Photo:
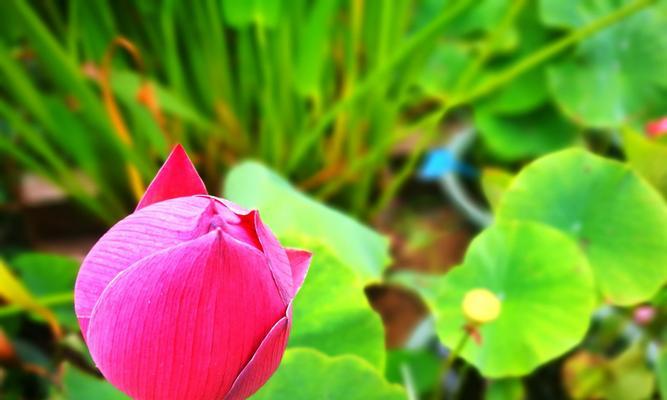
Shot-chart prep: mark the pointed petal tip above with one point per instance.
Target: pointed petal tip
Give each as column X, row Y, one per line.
column 300, row 263
column 263, row 363
column 176, row 178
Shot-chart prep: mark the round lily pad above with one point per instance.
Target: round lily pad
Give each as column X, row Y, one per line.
column 331, row 312
column 617, row 218
column 615, row 75
column 309, row 374
column 518, row 137
column 546, row 292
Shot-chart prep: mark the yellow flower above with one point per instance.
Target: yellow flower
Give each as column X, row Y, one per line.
column 481, row 306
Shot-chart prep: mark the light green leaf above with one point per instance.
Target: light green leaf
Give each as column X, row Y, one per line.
column 307, row 374
column 615, row 75
column 81, row 386
column 513, row 138
column 47, row 275
column 480, row 17
column 494, row 183
column 617, row 218
column 529, row 90
column 290, row 213
column 240, row 14
column 648, row 157
column 422, row 366
column 632, row 378
column 661, row 372
column 14, row 292
column 546, row 292
column 520, row 95
column 625, row 377
column 505, row 389
column 331, row 312
column 313, row 49
column 444, row 67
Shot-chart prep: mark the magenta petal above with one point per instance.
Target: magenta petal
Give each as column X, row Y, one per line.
column 264, row 362
column 277, row 259
column 177, row 178
column 151, row 229
column 300, row 262
column 182, row 323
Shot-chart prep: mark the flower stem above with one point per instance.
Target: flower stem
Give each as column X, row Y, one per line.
column 446, row 366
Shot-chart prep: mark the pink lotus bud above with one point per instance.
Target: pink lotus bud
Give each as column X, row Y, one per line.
column 644, row 315
column 190, row 296
column 657, row 128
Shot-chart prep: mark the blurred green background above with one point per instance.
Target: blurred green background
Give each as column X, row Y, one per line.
column 372, row 107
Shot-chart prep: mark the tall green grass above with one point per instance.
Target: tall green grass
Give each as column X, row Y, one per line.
column 320, row 90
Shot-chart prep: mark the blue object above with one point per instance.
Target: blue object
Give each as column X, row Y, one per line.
column 442, row 161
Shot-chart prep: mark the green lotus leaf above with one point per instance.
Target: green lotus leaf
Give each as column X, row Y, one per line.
column 617, row 74
column 48, row 275
column 648, row 158
column 518, row 137
column 332, row 313
column 505, row 389
column 494, row 183
column 291, row 213
column 529, row 90
column 546, row 292
column 308, row 374
column 618, row 219
column 78, row 385
column 444, row 67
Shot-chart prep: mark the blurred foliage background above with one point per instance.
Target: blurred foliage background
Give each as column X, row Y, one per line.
column 343, row 98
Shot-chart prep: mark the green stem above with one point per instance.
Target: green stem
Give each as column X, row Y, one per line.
column 448, row 363
column 46, row 301
column 271, row 133
column 431, row 124
column 375, row 77
column 503, row 78
column 490, row 45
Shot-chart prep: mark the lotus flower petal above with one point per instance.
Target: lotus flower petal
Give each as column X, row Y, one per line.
column 657, row 128
column 264, row 362
column 177, row 178
column 183, row 322
column 277, row 259
column 299, row 262
column 190, row 296
column 151, row 229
